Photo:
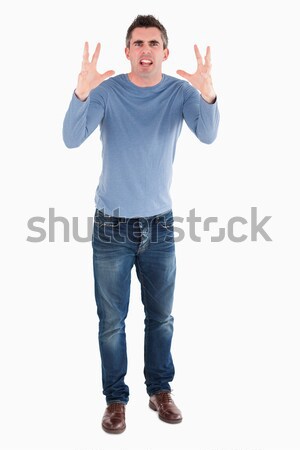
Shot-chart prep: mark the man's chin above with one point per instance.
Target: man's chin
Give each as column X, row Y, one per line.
column 146, row 72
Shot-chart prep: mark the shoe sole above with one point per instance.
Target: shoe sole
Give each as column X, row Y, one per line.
column 153, row 407
column 113, row 431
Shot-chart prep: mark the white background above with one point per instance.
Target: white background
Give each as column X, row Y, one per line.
column 236, row 342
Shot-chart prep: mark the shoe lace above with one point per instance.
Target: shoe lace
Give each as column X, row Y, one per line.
column 166, row 397
column 116, row 407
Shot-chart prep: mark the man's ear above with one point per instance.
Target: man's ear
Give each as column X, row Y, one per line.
column 127, row 51
column 166, row 54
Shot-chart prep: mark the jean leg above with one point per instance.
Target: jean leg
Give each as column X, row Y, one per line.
column 156, row 270
column 112, row 263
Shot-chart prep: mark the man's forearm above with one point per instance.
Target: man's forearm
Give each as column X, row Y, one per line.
column 74, row 126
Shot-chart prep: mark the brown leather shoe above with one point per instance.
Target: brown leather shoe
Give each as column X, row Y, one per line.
column 167, row 410
column 114, row 418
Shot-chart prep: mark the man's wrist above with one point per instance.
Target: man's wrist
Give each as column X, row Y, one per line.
column 209, row 98
column 81, row 97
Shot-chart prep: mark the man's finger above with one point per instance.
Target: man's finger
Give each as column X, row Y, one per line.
column 86, row 52
column 198, row 55
column 96, row 53
column 84, row 66
column 108, row 73
column 184, row 74
column 208, row 55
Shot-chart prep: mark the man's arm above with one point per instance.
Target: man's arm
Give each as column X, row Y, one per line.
column 200, row 116
column 86, row 109
column 201, row 111
column 81, row 119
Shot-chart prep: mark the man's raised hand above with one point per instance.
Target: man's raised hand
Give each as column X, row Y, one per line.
column 201, row 79
column 89, row 78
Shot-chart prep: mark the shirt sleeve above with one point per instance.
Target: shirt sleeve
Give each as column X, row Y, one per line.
column 201, row 117
column 82, row 118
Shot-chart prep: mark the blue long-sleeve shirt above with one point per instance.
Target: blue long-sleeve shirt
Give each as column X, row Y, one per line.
column 139, row 128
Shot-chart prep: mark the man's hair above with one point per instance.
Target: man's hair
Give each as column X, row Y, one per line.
column 147, row 22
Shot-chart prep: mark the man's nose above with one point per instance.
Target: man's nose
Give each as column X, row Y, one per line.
column 146, row 48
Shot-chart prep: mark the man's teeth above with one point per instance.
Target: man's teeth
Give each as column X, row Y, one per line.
column 146, row 61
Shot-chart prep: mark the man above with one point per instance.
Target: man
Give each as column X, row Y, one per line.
column 140, row 115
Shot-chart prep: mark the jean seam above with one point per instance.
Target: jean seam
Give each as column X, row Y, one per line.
column 143, row 290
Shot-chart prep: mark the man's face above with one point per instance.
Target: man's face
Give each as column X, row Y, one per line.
column 146, row 52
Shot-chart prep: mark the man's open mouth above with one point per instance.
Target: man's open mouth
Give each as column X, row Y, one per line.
column 146, row 62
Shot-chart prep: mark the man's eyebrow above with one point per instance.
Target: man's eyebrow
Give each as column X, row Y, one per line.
column 140, row 41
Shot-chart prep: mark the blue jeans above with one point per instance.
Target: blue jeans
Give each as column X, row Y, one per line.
column 118, row 245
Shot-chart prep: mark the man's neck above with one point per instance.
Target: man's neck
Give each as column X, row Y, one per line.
column 144, row 82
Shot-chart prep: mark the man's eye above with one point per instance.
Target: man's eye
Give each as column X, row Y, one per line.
column 154, row 44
